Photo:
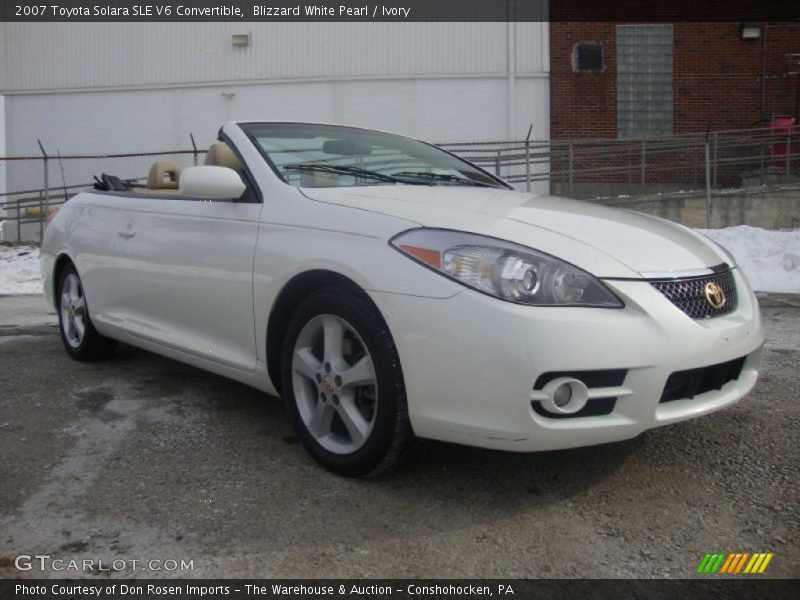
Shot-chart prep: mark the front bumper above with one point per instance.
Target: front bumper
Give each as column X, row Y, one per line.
column 470, row 363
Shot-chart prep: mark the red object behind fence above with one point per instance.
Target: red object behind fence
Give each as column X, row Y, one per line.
column 783, row 126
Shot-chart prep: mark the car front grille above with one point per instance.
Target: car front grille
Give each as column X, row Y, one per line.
column 689, row 294
column 684, row 385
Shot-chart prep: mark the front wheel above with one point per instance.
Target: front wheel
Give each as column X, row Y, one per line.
column 343, row 384
column 80, row 338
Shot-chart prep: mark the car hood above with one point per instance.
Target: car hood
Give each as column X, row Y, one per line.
column 607, row 242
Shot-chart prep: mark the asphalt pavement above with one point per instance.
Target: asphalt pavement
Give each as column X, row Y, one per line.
column 141, row 458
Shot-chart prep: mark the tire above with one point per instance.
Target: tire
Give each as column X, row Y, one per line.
column 73, row 315
column 351, row 419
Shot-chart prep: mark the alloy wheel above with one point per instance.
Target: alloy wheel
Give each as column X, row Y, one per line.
column 334, row 384
column 73, row 310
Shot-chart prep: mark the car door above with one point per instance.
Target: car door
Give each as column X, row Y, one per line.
column 93, row 218
column 184, row 272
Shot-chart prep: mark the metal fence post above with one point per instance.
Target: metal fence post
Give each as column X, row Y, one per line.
column 527, row 167
column 528, row 159
column 571, row 168
column 788, row 152
column 19, row 221
column 194, row 147
column 643, row 160
column 708, row 183
column 630, row 167
column 43, row 216
column 716, row 150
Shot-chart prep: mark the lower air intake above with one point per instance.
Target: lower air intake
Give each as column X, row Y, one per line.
column 684, row 385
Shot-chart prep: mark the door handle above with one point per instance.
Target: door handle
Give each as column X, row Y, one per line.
column 126, row 233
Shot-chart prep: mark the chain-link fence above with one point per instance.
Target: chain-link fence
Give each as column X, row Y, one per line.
column 31, row 187
column 610, row 171
column 715, row 179
column 589, row 169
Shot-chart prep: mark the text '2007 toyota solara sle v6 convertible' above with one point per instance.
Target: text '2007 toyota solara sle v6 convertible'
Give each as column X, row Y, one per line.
column 389, row 290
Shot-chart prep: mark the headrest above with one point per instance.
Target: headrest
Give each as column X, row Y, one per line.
column 221, row 155
column 164, row 175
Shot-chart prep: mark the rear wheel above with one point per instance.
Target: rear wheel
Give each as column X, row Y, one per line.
column 343, row 383
column 79, row 336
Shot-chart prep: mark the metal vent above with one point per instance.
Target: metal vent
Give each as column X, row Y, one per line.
column 690, row 294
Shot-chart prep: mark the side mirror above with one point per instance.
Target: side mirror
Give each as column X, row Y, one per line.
column 211, row 182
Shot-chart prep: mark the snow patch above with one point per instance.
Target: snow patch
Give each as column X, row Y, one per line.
column 770, row 259
column 19, row 270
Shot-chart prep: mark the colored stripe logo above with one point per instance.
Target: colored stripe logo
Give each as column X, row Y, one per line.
column 719, row 563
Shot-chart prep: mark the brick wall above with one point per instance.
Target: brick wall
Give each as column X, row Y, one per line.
column 716, row 78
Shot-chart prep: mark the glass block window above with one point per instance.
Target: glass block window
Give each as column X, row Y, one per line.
column 644, row 80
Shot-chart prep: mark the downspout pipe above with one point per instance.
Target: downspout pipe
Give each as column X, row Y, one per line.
column 511, row 61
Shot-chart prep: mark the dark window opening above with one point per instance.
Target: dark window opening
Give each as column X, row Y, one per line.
column 587, row 57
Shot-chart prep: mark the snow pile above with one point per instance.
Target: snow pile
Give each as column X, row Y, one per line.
column 19, row 270
column 770, row 259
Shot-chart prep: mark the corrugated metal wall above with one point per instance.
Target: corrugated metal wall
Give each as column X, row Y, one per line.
column 120, row 87
column 3, row 54
column 63, row 56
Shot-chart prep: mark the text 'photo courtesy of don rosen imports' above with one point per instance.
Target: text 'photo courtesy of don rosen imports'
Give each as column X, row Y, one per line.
column 334, row 590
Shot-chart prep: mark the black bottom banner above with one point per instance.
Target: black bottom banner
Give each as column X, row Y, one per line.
column 401, row 589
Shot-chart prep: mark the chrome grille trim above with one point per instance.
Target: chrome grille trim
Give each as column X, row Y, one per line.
column 689, row 294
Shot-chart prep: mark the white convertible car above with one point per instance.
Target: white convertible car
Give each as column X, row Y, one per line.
column 388, row 290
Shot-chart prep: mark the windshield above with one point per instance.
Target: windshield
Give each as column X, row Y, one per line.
column 309, row 155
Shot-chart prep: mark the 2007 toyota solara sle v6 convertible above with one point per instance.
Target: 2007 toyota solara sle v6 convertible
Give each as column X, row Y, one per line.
column 388, row 290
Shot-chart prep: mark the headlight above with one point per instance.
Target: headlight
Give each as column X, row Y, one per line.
column 505, row 270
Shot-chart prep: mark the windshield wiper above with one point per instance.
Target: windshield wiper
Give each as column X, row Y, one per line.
column 349, row 170
column 442, row 177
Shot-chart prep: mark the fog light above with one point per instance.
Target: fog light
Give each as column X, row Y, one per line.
column 565, row 395
column 562, row 395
